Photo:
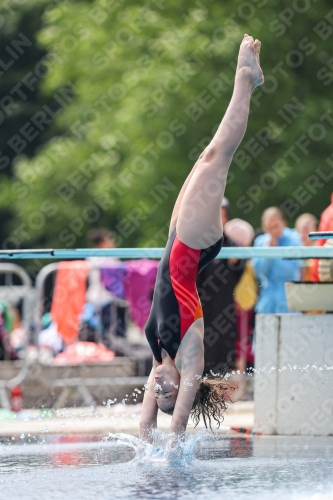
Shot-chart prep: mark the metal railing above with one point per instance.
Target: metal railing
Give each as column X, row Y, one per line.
column 69, row 385
column 13, row 294
column 156, row 253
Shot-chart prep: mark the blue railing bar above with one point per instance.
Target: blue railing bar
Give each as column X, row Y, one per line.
column 321, row 235
column 156, row 253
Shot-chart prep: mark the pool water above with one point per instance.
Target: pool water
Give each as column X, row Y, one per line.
column 119, row 467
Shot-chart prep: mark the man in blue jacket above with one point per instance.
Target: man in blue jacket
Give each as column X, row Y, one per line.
column 273, row 273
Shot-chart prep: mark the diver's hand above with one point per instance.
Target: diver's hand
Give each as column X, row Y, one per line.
column 146, row 430
column 174, row 450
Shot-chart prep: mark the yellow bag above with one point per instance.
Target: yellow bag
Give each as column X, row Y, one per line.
column 246, row 290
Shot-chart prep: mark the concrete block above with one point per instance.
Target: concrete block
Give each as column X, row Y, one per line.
column 299, row 400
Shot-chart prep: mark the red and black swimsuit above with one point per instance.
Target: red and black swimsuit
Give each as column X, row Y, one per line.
column 176, row 303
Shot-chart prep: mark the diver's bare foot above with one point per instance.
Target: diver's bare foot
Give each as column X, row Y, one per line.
column 248, row 61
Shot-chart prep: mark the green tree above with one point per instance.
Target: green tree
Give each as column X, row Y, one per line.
column 21, row 73
column 141, row 92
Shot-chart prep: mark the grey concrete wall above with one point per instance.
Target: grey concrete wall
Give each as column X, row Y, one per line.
column 293, row 386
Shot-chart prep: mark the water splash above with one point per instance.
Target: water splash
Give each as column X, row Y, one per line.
column 289, row 367
column 126, row 439
column 157, row 452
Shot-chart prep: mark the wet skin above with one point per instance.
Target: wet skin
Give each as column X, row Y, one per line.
column 166, row 384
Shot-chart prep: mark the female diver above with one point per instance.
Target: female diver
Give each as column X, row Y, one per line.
column 175, row 327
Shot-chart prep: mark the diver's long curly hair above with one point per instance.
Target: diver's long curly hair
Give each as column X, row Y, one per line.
column 210, row 401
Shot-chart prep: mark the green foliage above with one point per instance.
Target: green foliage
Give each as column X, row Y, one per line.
column 141, row 91
column 19, row 95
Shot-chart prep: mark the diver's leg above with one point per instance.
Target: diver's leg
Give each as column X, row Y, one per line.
column 176, row 207
column 199, row 219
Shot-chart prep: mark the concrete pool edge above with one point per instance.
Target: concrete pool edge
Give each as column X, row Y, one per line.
column 117, row 418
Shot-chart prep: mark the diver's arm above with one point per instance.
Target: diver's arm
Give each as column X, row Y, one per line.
column 148, row 419
column 192, row 365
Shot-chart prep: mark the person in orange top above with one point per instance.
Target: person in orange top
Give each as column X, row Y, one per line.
column 325, row 224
